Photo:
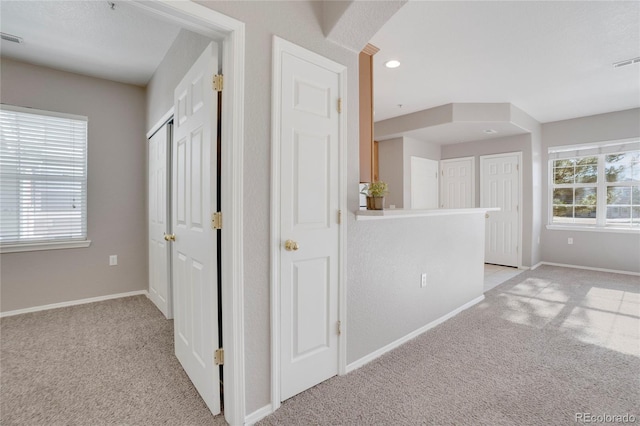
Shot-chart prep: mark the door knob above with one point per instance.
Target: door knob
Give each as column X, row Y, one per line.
column 291, row 245
column 169, row 237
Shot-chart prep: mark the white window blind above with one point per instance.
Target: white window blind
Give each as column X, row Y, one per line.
column 611, row 147
column 43, row 176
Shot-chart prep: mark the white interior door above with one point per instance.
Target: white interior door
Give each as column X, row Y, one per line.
column 194, row 249
column 309, row 207
column 458, row 183
column 500, row 187
column 424, row 183
column 159, row 253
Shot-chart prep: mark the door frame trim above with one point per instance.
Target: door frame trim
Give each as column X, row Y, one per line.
column 520, row 207
column 281, row 46
column 473, row 178
column 168, row 119
column 231, row 33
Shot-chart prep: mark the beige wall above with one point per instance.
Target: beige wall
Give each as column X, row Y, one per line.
column 186, row 48
column 390, row 166
column 386, row 301
column 116, row 191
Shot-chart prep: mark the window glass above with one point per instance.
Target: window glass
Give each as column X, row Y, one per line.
column 576, row 184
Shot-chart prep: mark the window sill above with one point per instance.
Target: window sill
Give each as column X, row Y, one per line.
column 17, row 248
column 593, row 229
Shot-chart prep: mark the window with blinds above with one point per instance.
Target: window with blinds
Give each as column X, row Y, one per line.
column 43, row 176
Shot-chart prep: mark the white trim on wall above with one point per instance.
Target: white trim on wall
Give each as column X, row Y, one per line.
column 342, row 267
column 258, row 415
column 589, row 268
column 72, row 303
column 281, row 46
column 160, row 123
column 208, row 22
column 391, row 346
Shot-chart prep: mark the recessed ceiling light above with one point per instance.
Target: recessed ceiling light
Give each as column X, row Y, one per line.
column 11, row 37
column 490, row 131
column 392, row 64
column 626, row 62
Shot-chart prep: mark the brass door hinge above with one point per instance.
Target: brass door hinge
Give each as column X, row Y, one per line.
column 218, row 356
column 218, row 82
column 216, row 220
column 339, row 328
column 339, row 105
column 339, row 217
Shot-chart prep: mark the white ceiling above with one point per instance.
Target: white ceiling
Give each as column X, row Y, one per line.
column 551, row 59
column 87, row 37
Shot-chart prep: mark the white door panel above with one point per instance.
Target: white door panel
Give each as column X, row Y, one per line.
column 500, row 187
column 424, row 183
column 159, row 254
column 458, row 183
column 309, row 179
column 194, row 249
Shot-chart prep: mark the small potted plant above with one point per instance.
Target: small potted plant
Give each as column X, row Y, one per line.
column 375, row 192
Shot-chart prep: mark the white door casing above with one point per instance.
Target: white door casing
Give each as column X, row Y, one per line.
column 194, row 250
column 231, row 33
column 424, row 183
column 458, row 183
column 159, row 204
column 500, row 186
column 307, row 180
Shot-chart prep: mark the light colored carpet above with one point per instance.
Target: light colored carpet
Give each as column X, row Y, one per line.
column 540, row 348
column 103, row 363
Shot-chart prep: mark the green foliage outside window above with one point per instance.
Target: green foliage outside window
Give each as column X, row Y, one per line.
column 576, row 187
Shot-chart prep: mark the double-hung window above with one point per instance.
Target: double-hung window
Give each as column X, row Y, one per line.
column 43, row 179
column 595, row 186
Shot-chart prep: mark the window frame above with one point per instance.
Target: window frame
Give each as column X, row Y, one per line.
column 53, row 244
column 600, row 151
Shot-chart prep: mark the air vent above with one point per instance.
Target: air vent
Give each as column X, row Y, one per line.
column 10, row 37
column 626, row 62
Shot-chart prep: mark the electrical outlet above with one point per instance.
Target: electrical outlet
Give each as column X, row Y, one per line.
column 423, row 280
column 569, row 240
column 113, row 260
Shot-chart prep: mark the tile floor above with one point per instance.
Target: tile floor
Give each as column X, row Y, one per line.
column 496, row 274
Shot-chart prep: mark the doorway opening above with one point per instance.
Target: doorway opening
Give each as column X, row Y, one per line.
column 230, row 32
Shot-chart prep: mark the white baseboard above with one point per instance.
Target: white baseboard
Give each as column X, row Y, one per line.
column 72, row 303
column 368, row 358
column 614, row 271
column 536, row 266
column 258, row 415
